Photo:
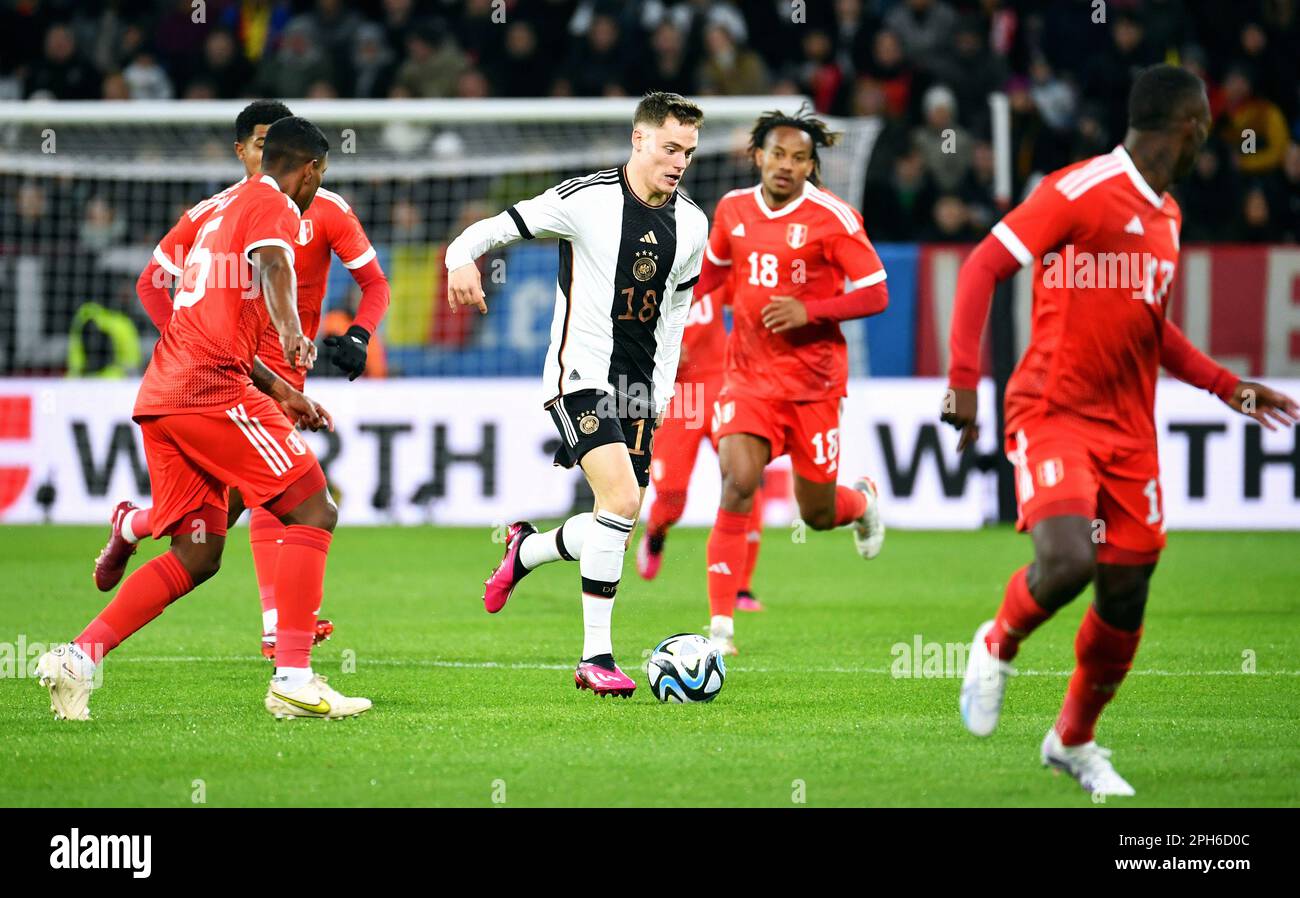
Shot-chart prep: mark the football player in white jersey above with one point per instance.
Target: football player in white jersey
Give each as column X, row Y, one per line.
column 631, row 246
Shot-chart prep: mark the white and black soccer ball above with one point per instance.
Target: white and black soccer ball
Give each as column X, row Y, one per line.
column 686, row 668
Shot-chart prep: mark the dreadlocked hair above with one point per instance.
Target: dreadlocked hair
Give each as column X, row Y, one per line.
column 803, row 120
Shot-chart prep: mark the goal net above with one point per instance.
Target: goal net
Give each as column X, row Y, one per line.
column 89, row 188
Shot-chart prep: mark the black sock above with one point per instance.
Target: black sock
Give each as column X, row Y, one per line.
column 606, row 661
column 656, row 543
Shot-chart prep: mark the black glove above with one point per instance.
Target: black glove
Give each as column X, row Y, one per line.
column 348, row 352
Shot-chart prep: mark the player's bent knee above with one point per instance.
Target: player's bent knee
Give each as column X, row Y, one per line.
column 1065, row 572
column 624, row 505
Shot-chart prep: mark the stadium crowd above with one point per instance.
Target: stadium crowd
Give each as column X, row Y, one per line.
column 923, row 66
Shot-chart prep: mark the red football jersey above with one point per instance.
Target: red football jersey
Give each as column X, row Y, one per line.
column 704, row 340
column 204, row 358
column 329, row 224
column 1104, row 248
column 806, row 249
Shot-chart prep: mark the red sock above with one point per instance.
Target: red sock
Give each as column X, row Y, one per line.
column 1019, row 616
column 665, row 511
column 299, row 584
column 142, row 597
column 753, row 539
column 1104, row 654
column 264, row 535
column 140, row 527
column 850, row 504
column 726, row 559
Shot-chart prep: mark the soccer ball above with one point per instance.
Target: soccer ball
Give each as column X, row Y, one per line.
column 686, row 668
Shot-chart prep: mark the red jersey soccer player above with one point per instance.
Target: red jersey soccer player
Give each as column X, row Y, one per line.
column 329, row 224
column 214, row 417
column 688, row 421
column 1079, row 407
column 787, row 247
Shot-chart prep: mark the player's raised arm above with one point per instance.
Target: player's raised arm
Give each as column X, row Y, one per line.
column 280, row 289
column 1036, row 226
column 542, row 216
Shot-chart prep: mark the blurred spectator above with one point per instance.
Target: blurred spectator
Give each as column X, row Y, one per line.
column 818, row 73
column 296, row 65
column 945, row 146
column 951, row 222
column 472, row 85
column 900, row 209
column 322, row 90
column 977, row 189
column 516, row 70
column 890, row 70
column 597, row 65
column 114, row 87
column 854, row 28
column 925, row 28
column 1053, row 97
column 146, row 79
column 1209, row 196
column 1110, row 74
column 478, row 32
column 1275, row 71
column 1256, row 222
column 432, row 65
column 62, row 73
column 670, row 68
column 1090, row 137
column 730, row 69
column 893, row 139
column 224, row 69
column 372, row 64
column 1252, row 125
column 973, row 72
column 334, row 26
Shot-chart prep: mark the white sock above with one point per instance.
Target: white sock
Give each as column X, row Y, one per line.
column 270, row 618
column 543, row 548
column 290, row 679
column 601, row 566
column 722, row 626
column 127, row 533
column 85, row 664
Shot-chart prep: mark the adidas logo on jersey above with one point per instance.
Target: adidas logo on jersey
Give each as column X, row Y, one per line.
column 720, row 567
column 650, row 238
column 1134, row 227
column 738, row 230
column 574, row 375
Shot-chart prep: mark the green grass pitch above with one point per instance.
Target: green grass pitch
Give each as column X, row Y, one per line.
column 476, row 710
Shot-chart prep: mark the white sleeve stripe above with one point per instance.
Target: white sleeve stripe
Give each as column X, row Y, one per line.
column 270, row 241
column 167, row 265
column 869, row 280
column 1008, row 238
column 361, row 259
column 333, row 198
column 841, row 211
column 714, row 259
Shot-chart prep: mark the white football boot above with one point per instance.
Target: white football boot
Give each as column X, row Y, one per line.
column 983, row 686
column 722, row 633
column 869, row 530
column 315, row 699
column 1088, row 763
column 70, row 684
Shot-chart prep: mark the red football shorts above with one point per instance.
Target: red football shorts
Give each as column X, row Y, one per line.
column 1063, row 471
column 809, row 432
column 687, row 422
column 193, row 458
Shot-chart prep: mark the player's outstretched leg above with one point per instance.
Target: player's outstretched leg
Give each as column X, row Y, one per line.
column 126, row 526
column 618, row 500
column 71, row 671
column 527, row 549
column 265, row 536
column 295, row 689
column 1063, row 565
column 1104, row 649
column 745, row 598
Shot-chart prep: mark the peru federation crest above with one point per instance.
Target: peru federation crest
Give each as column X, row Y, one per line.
column 796, row 235
column 304, row 232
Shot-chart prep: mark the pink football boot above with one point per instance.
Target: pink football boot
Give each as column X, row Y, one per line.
column 602, row 680
column 509, row 572
column 111, row 563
